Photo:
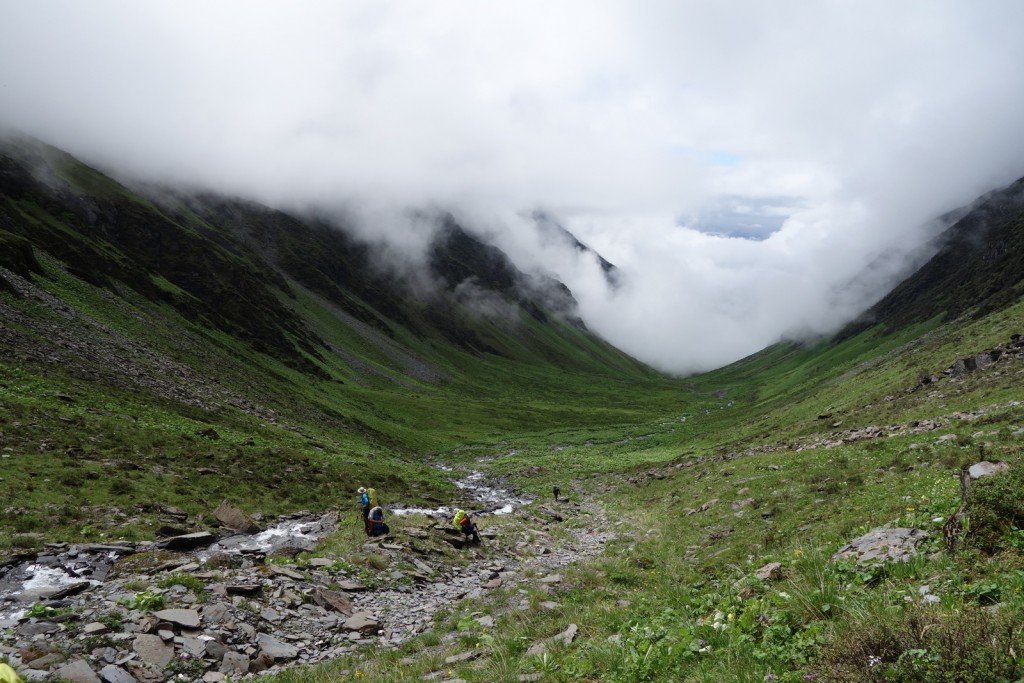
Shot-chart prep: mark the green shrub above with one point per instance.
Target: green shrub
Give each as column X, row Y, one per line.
column 928, row 645
column 995, row 507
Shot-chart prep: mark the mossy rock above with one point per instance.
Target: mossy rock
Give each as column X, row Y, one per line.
column 146, row 563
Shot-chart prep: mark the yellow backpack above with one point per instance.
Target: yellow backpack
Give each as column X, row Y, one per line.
column 7, row 674
column 372, row 493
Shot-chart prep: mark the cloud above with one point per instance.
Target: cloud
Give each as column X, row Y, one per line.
column 625, row 120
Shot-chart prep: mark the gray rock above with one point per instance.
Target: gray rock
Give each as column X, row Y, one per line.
column 333, row 599
column 216, row 649
column 361, row 622
column 261, row 663
column 189, row 618
column 46, row 661
column 566, row 638
column 235, row 519
column 234, row 664
column 188, row 541
column 115, row 674
column 770, row 572
column 153, row 650
column 882, row 545
column 986, row 468
column 95, row 628
column 35, row 628
column 462, row 657
column 275, row 648
column 193, row 646
column 217, row 614
column 77, row 671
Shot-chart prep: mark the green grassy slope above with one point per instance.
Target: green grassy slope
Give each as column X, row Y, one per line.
column 206, row 348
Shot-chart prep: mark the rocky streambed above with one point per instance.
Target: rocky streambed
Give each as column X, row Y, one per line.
column 206, row 607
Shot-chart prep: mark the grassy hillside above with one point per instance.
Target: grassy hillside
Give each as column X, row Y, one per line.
column 783, row 457
column 201, row 348
column 188, row 351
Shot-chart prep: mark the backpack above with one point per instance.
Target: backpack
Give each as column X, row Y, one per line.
column 372, row 493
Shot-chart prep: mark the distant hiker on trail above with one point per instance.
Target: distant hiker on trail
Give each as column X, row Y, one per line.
column 375, row 525
column 364, row 505
column 556, row 491
column 464, row 524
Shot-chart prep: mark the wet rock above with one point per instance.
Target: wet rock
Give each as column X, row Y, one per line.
column 200, row 539
column 882, row 545
column 68, row 591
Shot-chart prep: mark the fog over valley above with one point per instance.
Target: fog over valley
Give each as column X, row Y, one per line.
column 755, row 171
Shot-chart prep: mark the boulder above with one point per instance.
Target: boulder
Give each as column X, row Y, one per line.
column 882, row 545
column 770, row 572
column 986, row 468
column 235, row 519
column 199, row 539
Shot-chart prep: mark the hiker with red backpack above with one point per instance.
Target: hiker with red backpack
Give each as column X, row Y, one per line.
column 463, row 523
column 375, row 524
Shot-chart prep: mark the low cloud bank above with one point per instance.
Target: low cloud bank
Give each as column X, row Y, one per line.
column 626, row 122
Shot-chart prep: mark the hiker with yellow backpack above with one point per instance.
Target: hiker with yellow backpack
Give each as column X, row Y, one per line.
column 367, row 502
column 463, row 523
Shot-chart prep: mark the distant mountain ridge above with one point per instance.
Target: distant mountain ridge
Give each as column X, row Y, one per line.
column 234, row 265
column 977, row 269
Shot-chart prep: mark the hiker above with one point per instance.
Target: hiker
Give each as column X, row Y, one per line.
column 364, row 505
column 464, row 524
column 375, row 522
column 556, row 491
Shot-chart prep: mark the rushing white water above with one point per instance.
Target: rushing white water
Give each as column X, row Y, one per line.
column 492, row 500
column 34, row 581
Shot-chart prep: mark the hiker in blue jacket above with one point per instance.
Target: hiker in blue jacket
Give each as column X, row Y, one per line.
column 364, row 504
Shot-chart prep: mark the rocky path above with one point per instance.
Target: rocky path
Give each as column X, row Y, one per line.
column 161, row 614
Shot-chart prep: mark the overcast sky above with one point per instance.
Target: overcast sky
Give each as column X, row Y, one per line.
column 742, row 162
